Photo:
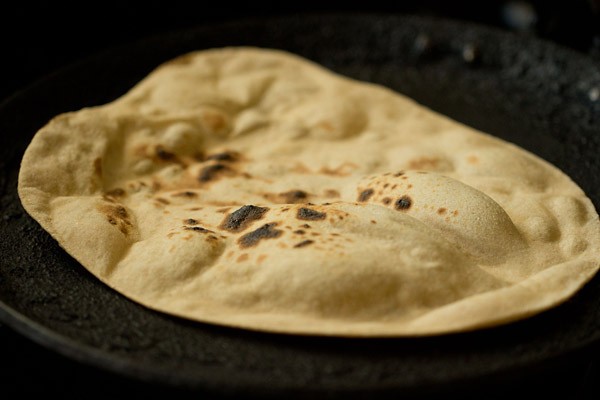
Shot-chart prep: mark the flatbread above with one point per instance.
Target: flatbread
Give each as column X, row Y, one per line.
column 253, row 188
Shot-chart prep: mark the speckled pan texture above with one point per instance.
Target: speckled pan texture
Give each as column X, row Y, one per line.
column 264, row 200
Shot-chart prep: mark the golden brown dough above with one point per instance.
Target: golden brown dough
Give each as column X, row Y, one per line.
column 252, row 188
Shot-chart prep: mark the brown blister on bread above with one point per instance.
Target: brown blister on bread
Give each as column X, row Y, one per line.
column 331, row 193
column 186, row 194
column 343, row 169
column 430, row 163
column 294, row 196
column 98, row 167
column 214, row 121
column 115, row 193
column 164, row 155
column 118, row 216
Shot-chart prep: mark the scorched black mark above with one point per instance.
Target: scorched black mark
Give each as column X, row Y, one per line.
column 365, row 195
column 164, row 155
column 304, row 243
column 187, row 194
column 118, row 192
column 210, row 172
column 241, row 218
column 403, row 203
column 228, row 156
column 267, row 231
column 310, row 214
column 294, row 196
column 197, row 229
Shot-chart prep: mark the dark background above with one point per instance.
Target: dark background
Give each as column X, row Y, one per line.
column 37, row 38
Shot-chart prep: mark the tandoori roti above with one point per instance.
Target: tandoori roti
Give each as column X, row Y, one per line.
column 252, row 188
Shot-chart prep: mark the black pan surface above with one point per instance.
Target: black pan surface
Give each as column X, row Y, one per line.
column 536, row 94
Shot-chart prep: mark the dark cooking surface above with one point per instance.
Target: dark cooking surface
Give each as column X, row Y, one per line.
column 534, row 94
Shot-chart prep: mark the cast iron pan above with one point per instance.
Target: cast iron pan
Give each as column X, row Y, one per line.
column 538, row 95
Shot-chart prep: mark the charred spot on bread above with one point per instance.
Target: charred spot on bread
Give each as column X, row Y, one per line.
column 365, row 195
column 98, row 167
column 210, row 172
column 294, row 196
column 403, row 203
column 226, row 156
column 117, row 215
column 198, row 229
column 242, row 217
column 304, row 243
column 267, row 231
column 187, row 193
column 163, row 154
column 117, row 192
column 309, row 214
